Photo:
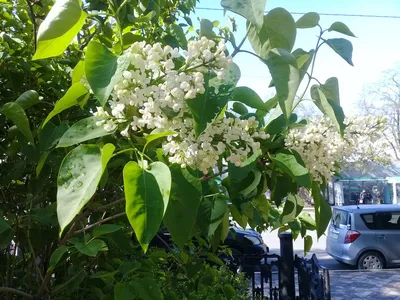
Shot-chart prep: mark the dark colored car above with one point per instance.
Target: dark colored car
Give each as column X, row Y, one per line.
column 240, row 241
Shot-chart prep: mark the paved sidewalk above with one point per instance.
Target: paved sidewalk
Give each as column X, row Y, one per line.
column 365, row 285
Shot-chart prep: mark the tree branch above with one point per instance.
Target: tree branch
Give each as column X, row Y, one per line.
column 98, row 223
column 71, row 232
column 15, row 292
column 237, row 49
column 34, row 25
column 207, row 177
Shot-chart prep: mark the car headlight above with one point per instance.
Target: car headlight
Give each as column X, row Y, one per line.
column 253, row 239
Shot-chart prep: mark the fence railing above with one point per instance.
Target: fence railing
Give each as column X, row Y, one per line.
column 273, row 276
column 313, row 279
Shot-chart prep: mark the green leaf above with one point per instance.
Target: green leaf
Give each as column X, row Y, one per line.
column 308, row 241
column 28, row 99
column 283, row 185
column 341, row 28
column 251, row 182
column 157, row 134
column 210, row 213
column 295, row 228
column 41, row 162
column 147, row 193
column 248, row 97
column 309, row 20
column 105, row 229
column 75, row 94
column 323, row 212
column 91, row 248
column 293, row 206
column 236, row 174
column 177, row 32
column 206, row 29
column 206, row 107
column 269, row 105
column 147, row 288
column 16, row 114
column 128, row 267
column 278, row 31
column 103, row 69
column 213, row 258
column 239, row 108
column 252, row 10
column 292, row 166
column 5, row 239
column 308, row 221
column 6, row 234
column 303, row 60
column 56, row 256
column 83, row 130
column 61, row 25
column 4, row 226
column 184, row 203
column 283, row 68
column 326, row 98
column 342, row 47
column 78, row 72
column 50, row 135
column 79, row 175
column 124, row 291
column 241, row 219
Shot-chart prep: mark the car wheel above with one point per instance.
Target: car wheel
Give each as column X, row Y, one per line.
column 371, row 260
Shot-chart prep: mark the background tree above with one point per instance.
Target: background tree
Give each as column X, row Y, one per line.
column 382, row 98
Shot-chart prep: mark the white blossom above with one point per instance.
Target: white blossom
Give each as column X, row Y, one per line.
column 321, row 146
column 156, row 91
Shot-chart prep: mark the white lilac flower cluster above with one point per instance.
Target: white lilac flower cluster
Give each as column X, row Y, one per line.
column 152, row 94
column 321, row 146
column 234, row 136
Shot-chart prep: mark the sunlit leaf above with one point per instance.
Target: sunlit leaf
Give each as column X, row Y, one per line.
column 28, row 99
column 79, row 175
column 309, row 20
column 207, row 106
column 341, row 28
column 103, row 69
column 75, row 94
column 278, row 31
column 61, row 25
column 83, row 130
column 252, row 10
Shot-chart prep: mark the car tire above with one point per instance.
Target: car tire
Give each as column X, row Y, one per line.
column 371, row 260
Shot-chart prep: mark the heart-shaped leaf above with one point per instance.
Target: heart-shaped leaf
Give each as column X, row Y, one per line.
column 147, row 194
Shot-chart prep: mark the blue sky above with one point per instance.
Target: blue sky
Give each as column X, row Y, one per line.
column 376, row 48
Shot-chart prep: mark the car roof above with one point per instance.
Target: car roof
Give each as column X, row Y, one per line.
column 369, row 208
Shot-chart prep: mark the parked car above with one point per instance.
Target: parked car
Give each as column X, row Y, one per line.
column 366, row 236
column 240, row 241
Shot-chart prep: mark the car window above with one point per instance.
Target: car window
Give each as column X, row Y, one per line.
column 388, row 220
column 340, row 217
column 368, row 220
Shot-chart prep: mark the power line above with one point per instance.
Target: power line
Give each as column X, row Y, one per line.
column 322, row 14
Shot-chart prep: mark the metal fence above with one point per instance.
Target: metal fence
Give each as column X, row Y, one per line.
column 285, row 276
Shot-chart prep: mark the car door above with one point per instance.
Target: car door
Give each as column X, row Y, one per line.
column 337, row 231
column 388, row 235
